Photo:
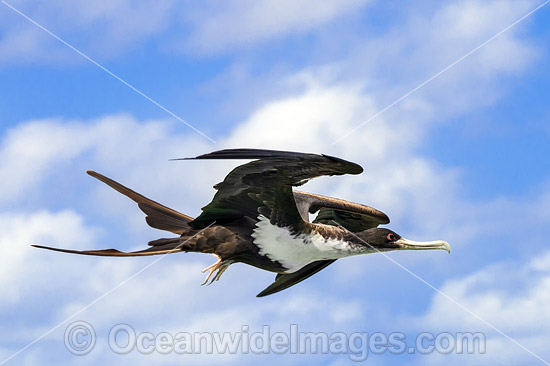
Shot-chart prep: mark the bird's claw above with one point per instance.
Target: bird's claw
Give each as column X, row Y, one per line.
column 220, row 266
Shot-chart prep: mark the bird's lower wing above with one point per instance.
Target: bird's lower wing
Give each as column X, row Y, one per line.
column 284, row 281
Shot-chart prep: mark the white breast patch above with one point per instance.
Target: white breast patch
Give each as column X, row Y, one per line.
column 294, row 252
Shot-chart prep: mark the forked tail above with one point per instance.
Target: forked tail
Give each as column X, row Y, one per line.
column 157, row 216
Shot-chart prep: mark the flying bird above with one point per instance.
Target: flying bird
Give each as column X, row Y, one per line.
column 257, row 218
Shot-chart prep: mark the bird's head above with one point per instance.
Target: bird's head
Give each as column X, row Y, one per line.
column 383, row 240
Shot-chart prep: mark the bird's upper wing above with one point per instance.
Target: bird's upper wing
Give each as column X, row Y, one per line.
column 264, row 186
column 332, row 211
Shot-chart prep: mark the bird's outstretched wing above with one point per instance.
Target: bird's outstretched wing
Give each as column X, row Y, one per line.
column 284, row 281
column 332, row 211
column 352, row 216
column 264, row 186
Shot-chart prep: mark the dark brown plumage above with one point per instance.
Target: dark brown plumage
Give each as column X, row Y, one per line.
column 256, row 218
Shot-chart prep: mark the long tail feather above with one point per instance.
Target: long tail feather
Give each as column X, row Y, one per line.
column 116, row 253
column 158, row 216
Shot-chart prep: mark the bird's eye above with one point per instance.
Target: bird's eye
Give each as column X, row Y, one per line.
column 391, row 237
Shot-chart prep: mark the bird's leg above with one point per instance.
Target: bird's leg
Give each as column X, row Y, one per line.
column 211, row 268
column 220, row 266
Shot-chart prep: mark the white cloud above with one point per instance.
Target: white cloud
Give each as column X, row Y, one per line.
column 109, row 28
column 378, row 69
column 105, row 28
column 460, row 26
column 512, row 297
column 35, row 152
column 467, row 19
column 24, row 44
column 29, row 151
column 223, row 26
column 21, row 264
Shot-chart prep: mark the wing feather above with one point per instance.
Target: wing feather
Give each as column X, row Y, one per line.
column 284, row 281
column 353, row 216
column 265, row 185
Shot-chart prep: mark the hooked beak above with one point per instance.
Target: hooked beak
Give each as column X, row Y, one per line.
column 405, row 244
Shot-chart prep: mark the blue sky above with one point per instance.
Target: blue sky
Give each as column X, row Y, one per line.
column 463, row 158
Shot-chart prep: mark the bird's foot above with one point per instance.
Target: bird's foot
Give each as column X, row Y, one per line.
column 220, row 266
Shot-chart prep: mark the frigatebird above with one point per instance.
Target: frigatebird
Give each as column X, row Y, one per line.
column 257, row 218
